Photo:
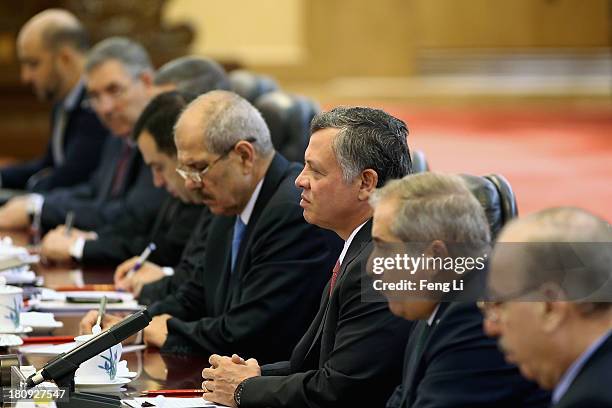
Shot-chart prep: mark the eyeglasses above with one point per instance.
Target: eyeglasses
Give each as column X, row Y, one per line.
column 490, row 308
column 197, row 176
column 113, row 91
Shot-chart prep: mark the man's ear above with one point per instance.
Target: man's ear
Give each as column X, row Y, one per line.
column 147, row 79
column 553, row 314
column 368, row 181
column 246, row 153
column 64, row 55
column 436, row 249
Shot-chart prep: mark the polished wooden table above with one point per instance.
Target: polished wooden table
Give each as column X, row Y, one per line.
column 155, row 370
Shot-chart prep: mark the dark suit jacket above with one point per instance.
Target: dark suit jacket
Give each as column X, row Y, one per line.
column 591, row 387
column 459, row 366
column 189, row 266
column 169, row 230
column 263, row 307
column 351, row 354
column 91, row 201
column 84, row 137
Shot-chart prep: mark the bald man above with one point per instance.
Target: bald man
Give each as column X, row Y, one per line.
column 51, row 48
column 551, row 308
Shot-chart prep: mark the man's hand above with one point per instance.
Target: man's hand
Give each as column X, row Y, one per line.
column 224, row 375
column 14, row 214
column 89, row 320
column 148, row 272
column 56, row 245
column 156, row 333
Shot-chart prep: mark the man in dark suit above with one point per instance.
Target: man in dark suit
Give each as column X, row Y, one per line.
column 351, row 353
column 449, row 361
column 551, row 303
column 52, row 48
column 119, row 78
column 264, row 267
column 169, row 229
column 171, row 226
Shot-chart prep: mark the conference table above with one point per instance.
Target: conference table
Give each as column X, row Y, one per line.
column 155, row 371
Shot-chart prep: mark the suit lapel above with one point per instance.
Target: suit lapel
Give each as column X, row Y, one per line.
column 272, row 179
column 415, row 352
column 357, row 246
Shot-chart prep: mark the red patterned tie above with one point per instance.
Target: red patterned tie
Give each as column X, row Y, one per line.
column 121, row 170
column 334, row 276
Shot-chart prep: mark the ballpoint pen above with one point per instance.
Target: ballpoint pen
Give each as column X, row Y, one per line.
column 68, row 223
column 143, row 258
column 101, row 312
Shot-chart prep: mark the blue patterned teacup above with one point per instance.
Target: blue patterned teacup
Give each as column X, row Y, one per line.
column 102, row 367
column 11, row 306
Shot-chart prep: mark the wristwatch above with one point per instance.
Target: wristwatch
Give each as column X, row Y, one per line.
column 238, row 393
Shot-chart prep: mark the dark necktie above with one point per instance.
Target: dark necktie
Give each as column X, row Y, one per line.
column 334, row 277
column 121, row 170
column 239, row 228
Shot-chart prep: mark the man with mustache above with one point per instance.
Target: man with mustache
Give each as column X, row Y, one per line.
column 350, row 356
column 264, row 266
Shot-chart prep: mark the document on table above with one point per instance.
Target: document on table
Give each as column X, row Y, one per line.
column 52, row 301
column 166, row 402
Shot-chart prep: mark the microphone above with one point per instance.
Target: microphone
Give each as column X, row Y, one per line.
column 67, row 363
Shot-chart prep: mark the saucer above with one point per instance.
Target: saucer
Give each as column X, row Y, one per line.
column 19, row 330
column 10, row 340
column 92, row 383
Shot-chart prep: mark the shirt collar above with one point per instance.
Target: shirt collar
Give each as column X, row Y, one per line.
column 433, row 315
column 245, row 215
column 347, row 243
column 70, row 101
column 572, row 372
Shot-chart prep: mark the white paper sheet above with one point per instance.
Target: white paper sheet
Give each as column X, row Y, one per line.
column 165, row 402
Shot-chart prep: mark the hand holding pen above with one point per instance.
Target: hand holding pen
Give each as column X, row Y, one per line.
column 143, row 258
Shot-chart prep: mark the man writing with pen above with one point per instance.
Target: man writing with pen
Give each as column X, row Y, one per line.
column 174, row 221
column 171, row 225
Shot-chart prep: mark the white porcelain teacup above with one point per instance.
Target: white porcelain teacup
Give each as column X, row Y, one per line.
column 102, row 367
column 11, row 306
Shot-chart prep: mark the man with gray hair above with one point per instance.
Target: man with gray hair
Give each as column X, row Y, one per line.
column 191, row 74
column 52, row 48
column 351, row 353
column 119, row 78
column 551, row 303
column 264, row 267
column 449, row 361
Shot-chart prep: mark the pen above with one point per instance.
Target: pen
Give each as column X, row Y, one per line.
column 172, row 392
column 101, row 312
column 68, row 223
column 143, row 258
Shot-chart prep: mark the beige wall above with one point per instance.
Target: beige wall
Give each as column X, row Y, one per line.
column 322, row 39
column 252, row 32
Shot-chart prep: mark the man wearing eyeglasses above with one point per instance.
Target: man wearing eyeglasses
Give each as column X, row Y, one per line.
column 124, row 240
column 52, row 48
column 264, row 266
column 119, row 80
column 551, row 303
